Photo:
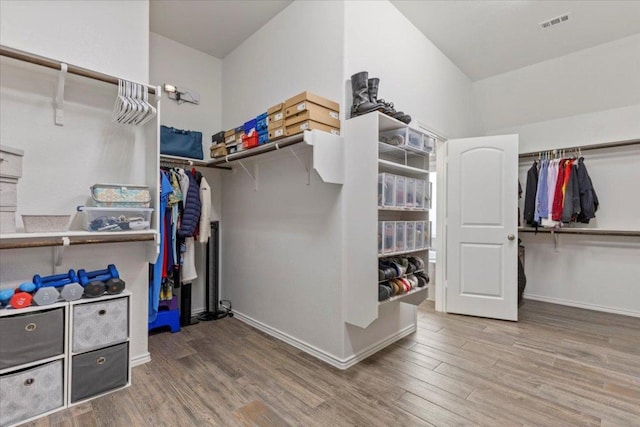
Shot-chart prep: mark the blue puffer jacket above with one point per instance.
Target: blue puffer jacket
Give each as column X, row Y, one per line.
column 191, row 211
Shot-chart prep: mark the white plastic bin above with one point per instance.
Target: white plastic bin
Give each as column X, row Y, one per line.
column 386, row 189
column 388, row 243
column 400, row 241
column 401, row 183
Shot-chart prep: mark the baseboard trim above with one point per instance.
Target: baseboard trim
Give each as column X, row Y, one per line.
column 141, row 359
column 321, row 354
column 587, row 306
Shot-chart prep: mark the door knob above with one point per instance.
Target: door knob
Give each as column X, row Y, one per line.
column 511, row 237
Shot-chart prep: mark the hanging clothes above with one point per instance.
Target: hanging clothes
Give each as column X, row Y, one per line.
column 531, row 188
column 571, row 207
column 588, row 199
column 541, row 194
column 205, row 211
column 558, row 198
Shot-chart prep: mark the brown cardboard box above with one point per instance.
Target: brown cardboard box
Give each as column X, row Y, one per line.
column 231, row 139
column 307, row 110
column 309, row 125
column 275, row 113
column 277, row 133
column 230, row 132
column 308, row 96
column 275, row 124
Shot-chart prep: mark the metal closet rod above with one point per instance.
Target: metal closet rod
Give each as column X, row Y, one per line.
column 52, row 63
column 586, row 147
column 76, row 241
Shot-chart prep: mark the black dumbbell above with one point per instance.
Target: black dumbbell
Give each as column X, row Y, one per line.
column 114, row 286
column 94, row 289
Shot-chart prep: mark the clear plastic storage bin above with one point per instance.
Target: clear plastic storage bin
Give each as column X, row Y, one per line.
column 408, row 138
column 401, row 183
column 400, row 242
column 410, row 235
column 421, row 187
column 419, row 235
column 386, row 189
column 388, row 243
column 116, row 219
column 410, row 193
column 380, row 235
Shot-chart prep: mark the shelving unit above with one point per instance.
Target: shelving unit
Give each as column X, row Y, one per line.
column 367, row 157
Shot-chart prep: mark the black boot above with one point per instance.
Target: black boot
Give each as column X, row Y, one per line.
column 374, row 85
column 361, row 102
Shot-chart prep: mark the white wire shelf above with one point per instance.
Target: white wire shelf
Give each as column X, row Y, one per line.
column 402, row 253
column 397, row 167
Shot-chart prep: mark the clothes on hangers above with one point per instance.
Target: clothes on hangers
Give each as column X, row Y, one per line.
column 205, row 211
column 588, row 199
column 531, row 188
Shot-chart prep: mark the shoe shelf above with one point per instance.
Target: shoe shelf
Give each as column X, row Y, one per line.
column 400, row 153
column 392, row 209
column 404, row 275
column 414, row 296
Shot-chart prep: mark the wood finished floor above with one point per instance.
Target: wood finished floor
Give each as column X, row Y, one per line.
column 558, row 366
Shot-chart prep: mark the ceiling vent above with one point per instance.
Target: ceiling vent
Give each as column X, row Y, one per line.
column 554, row 21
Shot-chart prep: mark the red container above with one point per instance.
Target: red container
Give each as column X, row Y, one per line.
column 250, row 141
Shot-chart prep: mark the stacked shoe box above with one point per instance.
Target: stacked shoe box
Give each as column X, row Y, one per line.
column 255, row 132
column 307, row 111
column 275, row 122
column 10, row 172
column 233, row 139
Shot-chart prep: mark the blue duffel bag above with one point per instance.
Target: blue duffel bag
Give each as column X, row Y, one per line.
column 182, row 143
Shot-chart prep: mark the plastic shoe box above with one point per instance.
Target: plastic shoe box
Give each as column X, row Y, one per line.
column 410, row 193
column 401, row 183
column 386, row 190
column 406, row 138
column 400, row 234
column 421, row 187
column 380, row 235
column 116, row 219
column 410, row 235
column 388, row 242
column 419, row 235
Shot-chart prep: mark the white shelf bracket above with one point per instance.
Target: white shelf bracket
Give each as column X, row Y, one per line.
column 58, row 252
column 254, row 176
column 306, row 165
column 59, row 102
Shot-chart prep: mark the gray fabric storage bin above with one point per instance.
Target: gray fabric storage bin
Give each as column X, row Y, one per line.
column 30, row 392
column 99, row 324
column 29, row 337
column 99, row 371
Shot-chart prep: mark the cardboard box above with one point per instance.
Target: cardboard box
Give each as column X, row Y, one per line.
column 307, row 110
column 310, row 125
column 277, row 133
column 275, row 113
column 229, row 133
column 231, row 139
column 276, row 124
column 275, row 109
column 308, row 96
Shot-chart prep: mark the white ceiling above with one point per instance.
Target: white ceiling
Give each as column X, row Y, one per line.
column 482, row 37
column 215, row 27
column 485, row 38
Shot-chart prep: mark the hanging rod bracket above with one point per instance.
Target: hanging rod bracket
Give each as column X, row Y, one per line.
column 254, row 176
column 556, row 241
column 306, row 165
column 59, row 102
column 58, row 251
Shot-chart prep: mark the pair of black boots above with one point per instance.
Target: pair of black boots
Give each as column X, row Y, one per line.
column 365, row 98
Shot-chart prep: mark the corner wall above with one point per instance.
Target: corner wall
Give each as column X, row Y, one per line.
column 588, row 97
column 177, row 64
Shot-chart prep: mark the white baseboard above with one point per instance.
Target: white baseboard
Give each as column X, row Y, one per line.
column 587, row 306
column 321, row 354
column 141, row 359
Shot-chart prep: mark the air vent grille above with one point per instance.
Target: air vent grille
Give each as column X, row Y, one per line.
column 554, row 21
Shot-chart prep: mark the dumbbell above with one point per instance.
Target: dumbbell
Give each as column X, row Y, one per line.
column 98, row 282
column 47, row 292
column 15, row 298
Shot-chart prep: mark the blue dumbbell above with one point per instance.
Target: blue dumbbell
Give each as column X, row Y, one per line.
column 46, row 288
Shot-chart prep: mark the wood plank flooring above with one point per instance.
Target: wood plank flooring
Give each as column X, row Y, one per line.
column 558, row 366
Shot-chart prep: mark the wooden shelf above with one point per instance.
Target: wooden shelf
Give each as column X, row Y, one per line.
column 588, row 231
column 414, row 296
column 35, row 240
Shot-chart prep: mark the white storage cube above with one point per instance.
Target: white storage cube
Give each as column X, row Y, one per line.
column 389, row 230
column 116, row 219
column 421, row 187
column 410, row 235
column 386, row 189
column 10, row 162
column 400, row 241
column 410, row 193
column 401, row 183
column 419, row 235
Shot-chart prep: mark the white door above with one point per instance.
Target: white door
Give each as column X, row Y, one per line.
column 481, row 267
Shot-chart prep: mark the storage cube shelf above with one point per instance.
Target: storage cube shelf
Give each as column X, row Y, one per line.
column 59, row 355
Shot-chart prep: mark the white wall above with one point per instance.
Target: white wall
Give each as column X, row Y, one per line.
column 299, row 49
column 414, row 74
column 109, row 36
column 282, row 243
column 62, row 162
column 601, row 78
column 184, row 67
column 588, row 97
